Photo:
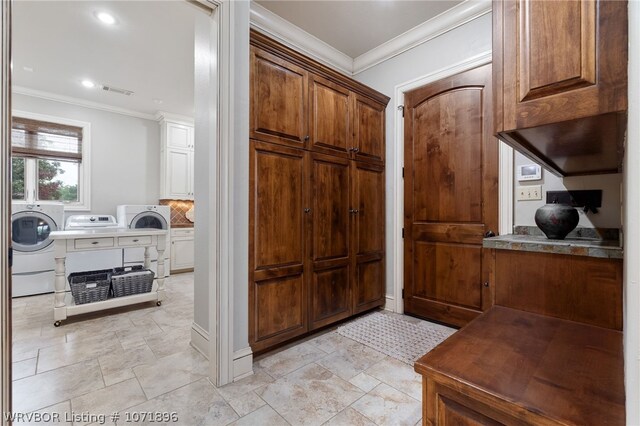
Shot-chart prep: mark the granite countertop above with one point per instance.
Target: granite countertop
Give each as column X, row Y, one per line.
column 581, row 242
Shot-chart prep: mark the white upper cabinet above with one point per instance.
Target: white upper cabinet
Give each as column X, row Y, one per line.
column 176, row 160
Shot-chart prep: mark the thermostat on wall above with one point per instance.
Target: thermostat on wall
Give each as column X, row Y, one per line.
column 529, row 172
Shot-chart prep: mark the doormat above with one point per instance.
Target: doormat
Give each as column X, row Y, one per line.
column 395, row 336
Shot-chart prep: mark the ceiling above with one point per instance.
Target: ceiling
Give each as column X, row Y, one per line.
column 355, row 27
column 57, row 44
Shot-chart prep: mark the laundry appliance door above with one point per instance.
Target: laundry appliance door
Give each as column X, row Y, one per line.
column 135, row 256
column 30, row 231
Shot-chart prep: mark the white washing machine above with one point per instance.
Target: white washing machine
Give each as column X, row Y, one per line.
column 33, row 270
column 92, row 260
column 146, row 216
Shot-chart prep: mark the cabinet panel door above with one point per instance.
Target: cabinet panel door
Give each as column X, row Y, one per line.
column 179, row 136
column 369, row 130
column 367, row 236
column 277, row 197
column 330, row 291
column 369, row 288
column 330, row 121
column 279, row 98
column 369, row 208
column 179, row 170
column 563, row 60
column 278, row 310
column 182, row 254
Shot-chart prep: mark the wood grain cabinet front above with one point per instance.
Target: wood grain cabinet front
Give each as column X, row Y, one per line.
column 560, row 75
column 316, row 199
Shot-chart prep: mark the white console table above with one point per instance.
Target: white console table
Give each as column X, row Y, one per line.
column 104, row 239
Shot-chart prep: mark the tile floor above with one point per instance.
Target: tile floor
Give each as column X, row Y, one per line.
column 139, row 359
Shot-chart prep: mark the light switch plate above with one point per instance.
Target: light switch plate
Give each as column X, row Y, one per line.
column 530, row 192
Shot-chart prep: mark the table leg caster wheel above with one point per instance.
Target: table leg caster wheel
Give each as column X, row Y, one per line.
column 159, row 303
column 57, row 323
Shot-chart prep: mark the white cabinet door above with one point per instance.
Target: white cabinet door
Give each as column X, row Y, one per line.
column 179, row 174
column 179, row 136
column 182, row 254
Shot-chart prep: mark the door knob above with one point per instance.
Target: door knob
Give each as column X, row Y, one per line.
column 489, row 234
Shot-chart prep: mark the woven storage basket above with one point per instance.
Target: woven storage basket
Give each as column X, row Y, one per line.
column 90, row 286
column 131, row 280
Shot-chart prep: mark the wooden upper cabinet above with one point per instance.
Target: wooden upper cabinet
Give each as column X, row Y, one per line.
column 329, row 120
column 560, row 78
column 279, row 95
column 368, row 132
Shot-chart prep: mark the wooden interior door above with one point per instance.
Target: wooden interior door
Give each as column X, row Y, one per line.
column 330, row 117
column 367, row 210
column 451, row 197
column 279, row 98
column 277, row 244
column 330, row 288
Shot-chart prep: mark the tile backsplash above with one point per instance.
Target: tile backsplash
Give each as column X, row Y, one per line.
column 179, row 208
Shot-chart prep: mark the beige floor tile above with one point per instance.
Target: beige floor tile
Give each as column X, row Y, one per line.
column 364, row 382
column 387, row 406
column 21, row 356
column 349, row 417
column 172, row 372
column 310, row 395
column 117, row 377
column 246, row 403
column 42, row 390
column 22, row 369
column 195, row 404
column 142, row 328
column 242, row 387
column 57, row 415
column 349, row 362
column 26, row 331
column 110, row 399
column 265, row 416
column 118, row 360
column 282, row 363
column 332, row 341
column 72, row 352
column 98, row 327
column 34, row 343
column 398, row 375
column 165, row 344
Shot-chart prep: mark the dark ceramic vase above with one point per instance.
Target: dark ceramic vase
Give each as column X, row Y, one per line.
column 556, row 220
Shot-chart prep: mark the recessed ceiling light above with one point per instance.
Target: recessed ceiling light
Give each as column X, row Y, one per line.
column 27, row 69
column 106, row 18
column 88, row 84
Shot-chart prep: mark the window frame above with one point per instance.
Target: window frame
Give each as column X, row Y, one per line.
column 84, row 172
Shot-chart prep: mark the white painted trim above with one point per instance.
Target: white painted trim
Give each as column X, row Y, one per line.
column 631, row 226
column 434, row 27
column 80, row 102
column 505, row 190
column 174, row 118
column 242, row 363
column 293, row 36
column 200, row 339
column 397, row 243
column 84, row 172
column 389, row 304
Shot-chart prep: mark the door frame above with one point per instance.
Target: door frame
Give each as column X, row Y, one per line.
column 505, row 171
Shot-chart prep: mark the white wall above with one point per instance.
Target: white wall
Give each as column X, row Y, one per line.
column 632, row 226
column 607, row 217
column 125, row 153
column 455, row 46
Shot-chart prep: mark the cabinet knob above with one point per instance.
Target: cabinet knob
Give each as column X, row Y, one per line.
column 486, row 284
column 353, row 211
column 489, row 234
column 307, row 210
column 306, row 138
column 356, row 150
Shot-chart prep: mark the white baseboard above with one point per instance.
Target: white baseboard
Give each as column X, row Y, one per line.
column 242, row 363
column 200, row 339
column 390, row 304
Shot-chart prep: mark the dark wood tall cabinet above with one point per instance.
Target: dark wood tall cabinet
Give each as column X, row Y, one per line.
column 316, row 195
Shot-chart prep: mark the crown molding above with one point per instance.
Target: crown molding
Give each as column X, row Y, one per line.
column 434, row 27
column 80, row 102
column 293, row 36
column 169, row 116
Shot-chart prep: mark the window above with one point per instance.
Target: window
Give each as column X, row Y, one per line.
column 50, row 160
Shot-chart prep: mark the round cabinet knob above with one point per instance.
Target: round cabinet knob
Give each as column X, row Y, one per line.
column 306, row 138
column 489, row 234
column 356, row 150
column 486, row 284
column 307, row 210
